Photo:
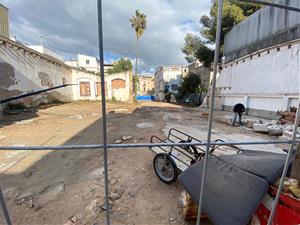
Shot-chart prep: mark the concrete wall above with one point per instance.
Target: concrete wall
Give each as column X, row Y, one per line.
column 266, row 82
column 265, row 28
column 23, row 70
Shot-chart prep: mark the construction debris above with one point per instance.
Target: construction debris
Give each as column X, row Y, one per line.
column 126, row 138
column 291, row 186
column 188, row 207
column 25, row 197
column 123, row 139
column 118, row 141
column 288, row 117
column 260, row 128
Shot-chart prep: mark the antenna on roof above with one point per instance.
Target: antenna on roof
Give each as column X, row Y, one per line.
column 42, row 40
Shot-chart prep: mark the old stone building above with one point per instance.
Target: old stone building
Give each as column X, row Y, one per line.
column 168, row 78
column 203, row 72
column 146, row 85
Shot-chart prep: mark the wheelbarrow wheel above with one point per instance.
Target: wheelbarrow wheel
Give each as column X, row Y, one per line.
column 165, row 168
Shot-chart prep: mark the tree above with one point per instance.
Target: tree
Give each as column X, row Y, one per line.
column 233, row 12
column 191, row 84
column 139, row 24
column 192, row 43
column 121, row 65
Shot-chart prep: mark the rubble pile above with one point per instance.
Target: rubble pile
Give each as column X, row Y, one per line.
column 288, row 117
column 291, row 187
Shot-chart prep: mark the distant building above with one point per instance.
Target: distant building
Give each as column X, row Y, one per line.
column 203, row 72
column 89, row 63
column 146, row 85
column 4, row 22
column 168, row 78
column 46, row 51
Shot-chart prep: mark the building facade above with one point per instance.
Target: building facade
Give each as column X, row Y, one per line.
column 117, row 86
column 262, row 63
column 168, row 79
column 146, row 85
column 89, row 63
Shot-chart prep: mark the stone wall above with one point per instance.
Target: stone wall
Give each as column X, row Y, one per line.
column 23, row 70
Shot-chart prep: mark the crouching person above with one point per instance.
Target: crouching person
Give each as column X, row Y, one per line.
column 238, row 110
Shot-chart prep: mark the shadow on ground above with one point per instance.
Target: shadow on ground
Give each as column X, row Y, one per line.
column 60, row 185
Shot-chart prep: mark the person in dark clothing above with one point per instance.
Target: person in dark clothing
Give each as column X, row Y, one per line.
column 238, row 110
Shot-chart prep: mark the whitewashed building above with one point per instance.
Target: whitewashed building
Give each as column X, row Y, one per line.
column 168, row 78
column 24, row 70
column 262, row 62
column 89, row 63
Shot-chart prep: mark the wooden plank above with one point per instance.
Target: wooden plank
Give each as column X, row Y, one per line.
column 189, row 208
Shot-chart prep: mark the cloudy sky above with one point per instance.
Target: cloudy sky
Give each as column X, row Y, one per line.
column 70, row 27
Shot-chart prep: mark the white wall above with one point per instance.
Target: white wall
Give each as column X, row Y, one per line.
column 267, row 82
column 93, row 64
column 121, row 94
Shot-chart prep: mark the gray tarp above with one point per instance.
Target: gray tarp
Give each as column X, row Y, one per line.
column 232, row 194
column 266, row 165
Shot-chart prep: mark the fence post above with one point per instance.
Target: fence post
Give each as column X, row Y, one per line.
column 1, row 112
column 211, row 109
column 4, row 209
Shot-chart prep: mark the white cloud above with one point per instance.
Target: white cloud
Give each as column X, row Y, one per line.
column 70, row 26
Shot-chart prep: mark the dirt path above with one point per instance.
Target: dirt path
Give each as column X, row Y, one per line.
column 51, row 187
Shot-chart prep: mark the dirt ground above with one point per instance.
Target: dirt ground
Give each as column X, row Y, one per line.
column 54, row 187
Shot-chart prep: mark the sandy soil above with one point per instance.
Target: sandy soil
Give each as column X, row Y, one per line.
column 59, row 187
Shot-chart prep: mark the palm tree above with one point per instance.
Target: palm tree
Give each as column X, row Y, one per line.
column 139, row 24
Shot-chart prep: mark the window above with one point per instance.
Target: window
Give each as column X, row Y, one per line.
column 87, row 61
column 85, row 89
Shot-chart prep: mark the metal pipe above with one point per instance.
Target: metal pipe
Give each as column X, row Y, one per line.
column 139, row 145
column 286, row 166
column 33, row 93
column 4, row 208
column 272, row 4
column 104, row 130
column 211, row 108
